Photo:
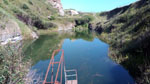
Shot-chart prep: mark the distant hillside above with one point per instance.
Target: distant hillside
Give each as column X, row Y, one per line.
column 127, row 30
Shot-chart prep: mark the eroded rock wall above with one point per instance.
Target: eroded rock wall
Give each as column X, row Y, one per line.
column 57, row 4
column 9, row 29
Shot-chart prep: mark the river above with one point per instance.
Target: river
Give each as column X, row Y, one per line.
column 83, row 51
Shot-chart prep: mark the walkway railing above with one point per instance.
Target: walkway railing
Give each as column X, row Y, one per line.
column 51, row 67
column 61, row 65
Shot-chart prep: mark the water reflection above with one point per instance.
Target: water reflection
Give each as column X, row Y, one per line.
column 84, row 52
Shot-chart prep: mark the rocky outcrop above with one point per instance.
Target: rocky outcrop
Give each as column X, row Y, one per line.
column 57, row 4
column 74, row 12
column 71, row 12
column 10, row 32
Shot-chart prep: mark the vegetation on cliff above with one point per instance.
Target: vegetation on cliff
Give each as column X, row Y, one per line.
column 30, row 12
column 127, row 30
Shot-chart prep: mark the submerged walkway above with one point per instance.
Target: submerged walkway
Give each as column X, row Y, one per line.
column 70, row 75
column 73, row 76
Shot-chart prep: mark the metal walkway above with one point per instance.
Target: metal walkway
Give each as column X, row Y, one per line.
column 73, row 75
column 61, row 65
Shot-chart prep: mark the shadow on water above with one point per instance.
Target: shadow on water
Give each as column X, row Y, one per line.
column 116, row 73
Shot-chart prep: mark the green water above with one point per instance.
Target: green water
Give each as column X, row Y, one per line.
column 83, row 51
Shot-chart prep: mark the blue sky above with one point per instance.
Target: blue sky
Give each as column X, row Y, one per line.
column 95, row 5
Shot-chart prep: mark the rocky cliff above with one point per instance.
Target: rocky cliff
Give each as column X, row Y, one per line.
column 57, row 4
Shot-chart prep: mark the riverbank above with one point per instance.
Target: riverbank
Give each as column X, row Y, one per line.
column 127, row 31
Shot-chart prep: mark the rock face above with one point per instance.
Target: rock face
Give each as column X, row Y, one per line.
column 57, row 4
column 10, row 32
column 71, row 12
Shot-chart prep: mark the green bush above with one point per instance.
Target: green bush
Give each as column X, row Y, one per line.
column 40, row 24
column 52, row 18
column 24, row 6
column 47, row 25
column 12, row 69
column 6, row 2
column 30, row 2
column 35, row 21
column 16, row 11
column 84, row 20
column 89, row 18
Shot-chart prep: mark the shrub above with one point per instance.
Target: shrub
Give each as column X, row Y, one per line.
column 52, row 18
column 24, row 6
column 30, row 2
column 13, row 69
column 35, row 21
column 6, row 2
column 40, row 24
column 47, row 25
column 2, row 26
column 89, row 18
column 81, row 21
column 84, row 20
column 15, row 10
